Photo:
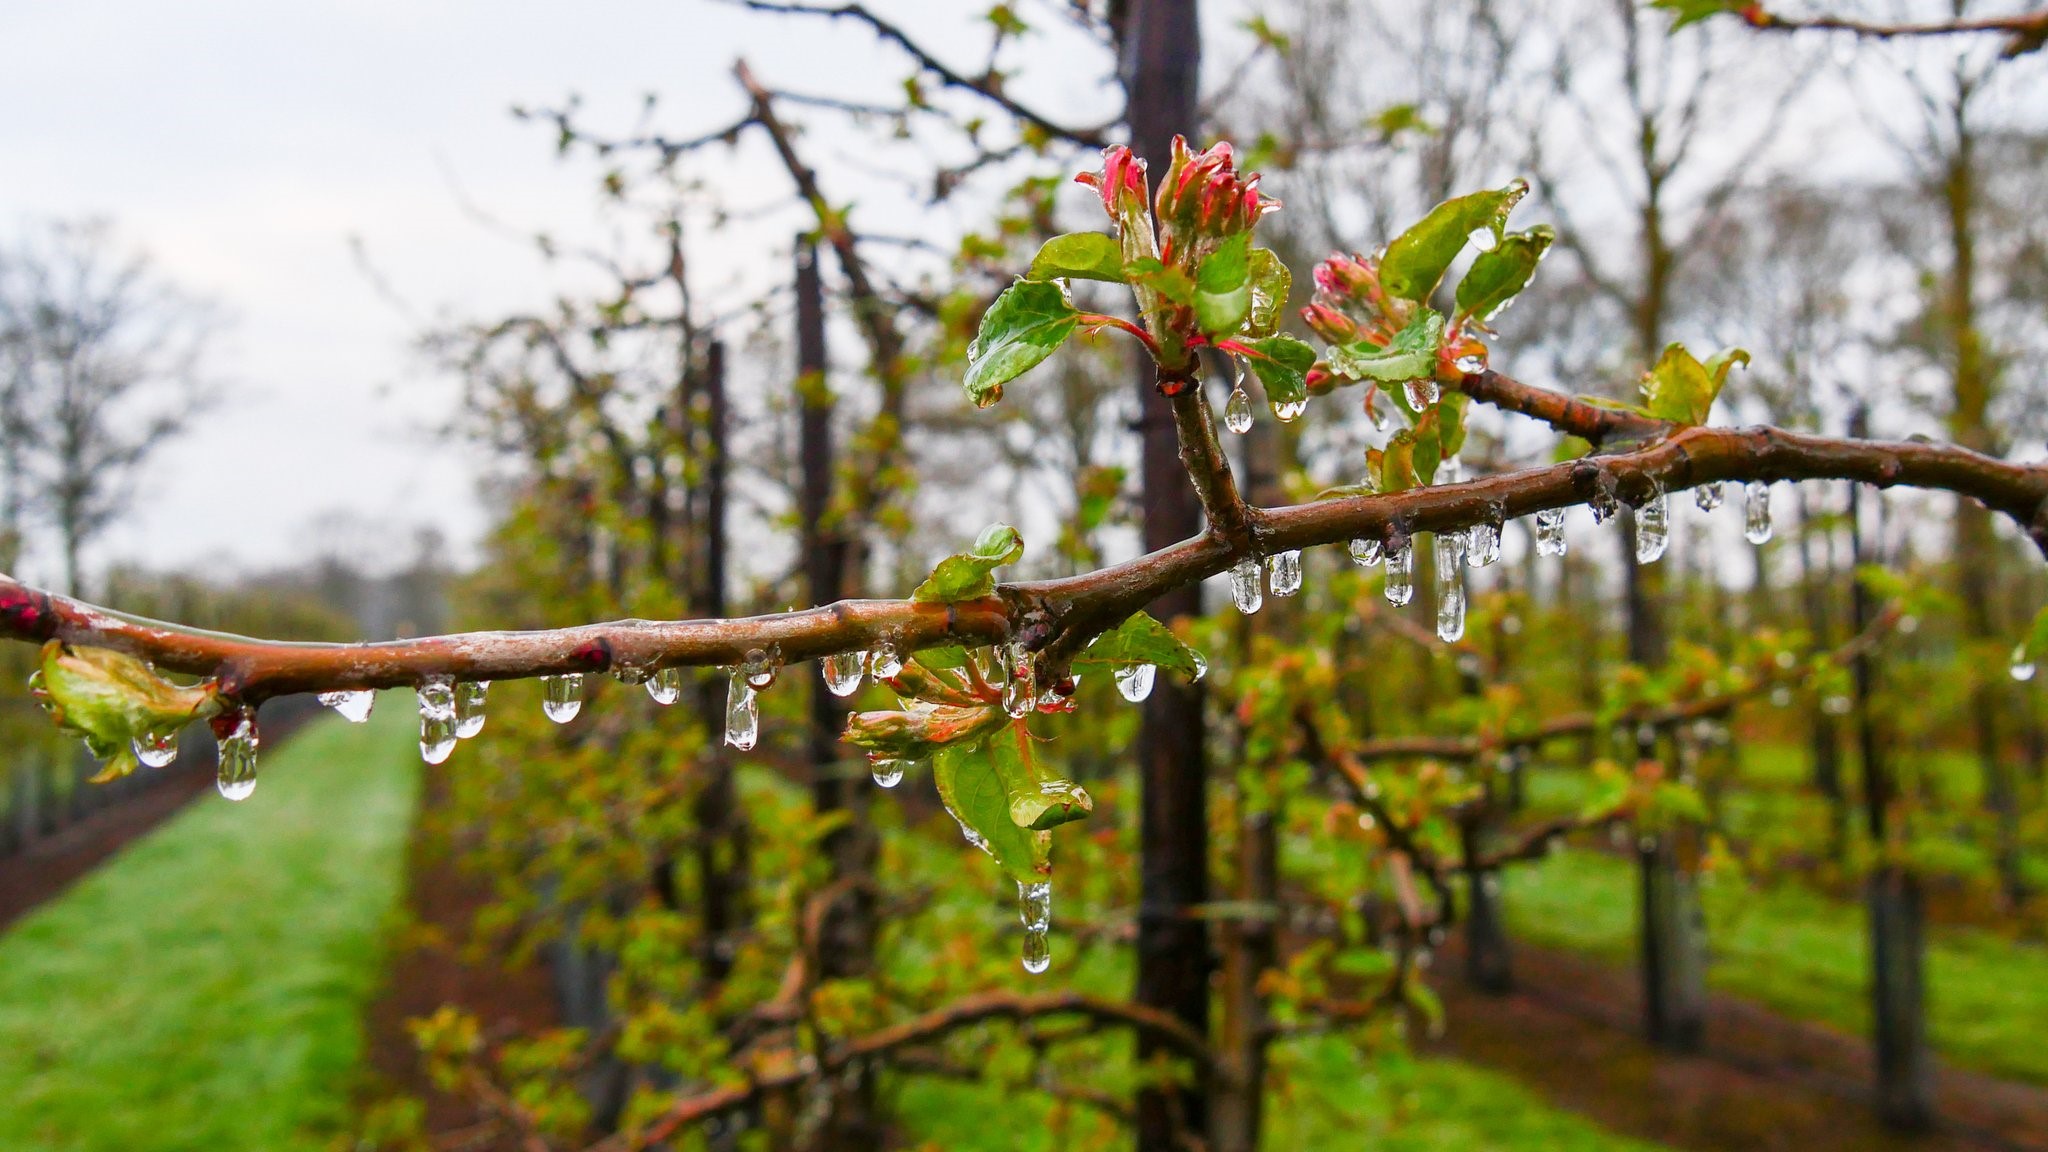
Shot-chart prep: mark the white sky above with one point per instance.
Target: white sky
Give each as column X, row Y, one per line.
column 243, row 144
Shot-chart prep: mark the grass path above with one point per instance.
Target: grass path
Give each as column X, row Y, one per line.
column 204, row 989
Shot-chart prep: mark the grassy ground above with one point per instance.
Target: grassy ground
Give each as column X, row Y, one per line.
column 1805, row 955
column 204, row 989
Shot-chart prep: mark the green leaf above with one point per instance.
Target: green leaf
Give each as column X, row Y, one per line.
column 1396, row 468
column 969, row 575
column 1281, row 363
column 1170, row 282
column 972, row 790
column 1694, row 11
column 1079, row 256
column 1410, row 355
column 1142, row 640
column 1428, row 452
column 1024, row 325
column 1417, row 258
column 1681, row 389
column 111, row 699
column 1223, row 287
column 1500, row 273
column 1040, row 799
column 2037, row 637
column 1451, row 410
column 1271, row 285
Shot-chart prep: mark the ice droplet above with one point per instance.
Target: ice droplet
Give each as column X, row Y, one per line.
column 1283, row 570
column 1237, row 411
column 631, row 673
column 436, row 697
column 887, row 773
column 155, row 749
column 1707, row 497
column 742, row 712
column 1400, row 560
column 1451, row 470
column 666, row 686
column 885, row 661
column 562, row 696
column 1288, row 410
column 1421, row 392
column 2022, row 664
column 761, row 665
column 237, row 777
column 1483, row 541
column 1134, row 681
column 1201, row 667
column 1450, row 586
column 1034, row 905
column 842, row 672
column 1037, row 952
column 1373, row 414
column 1365, row 551
column 469, row 707
column 1550, row 532
column 1756, row 513
column 1244, row 586
column 353, row 705
column 1019, row 695
column 1604, row 504
column 1653, row 526
column 437, row 738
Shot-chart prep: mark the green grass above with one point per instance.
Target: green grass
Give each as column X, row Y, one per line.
column 1805, row 955
column 204, row 989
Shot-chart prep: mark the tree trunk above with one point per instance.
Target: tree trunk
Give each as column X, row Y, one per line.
column 722, row 850
column 1160, row 50
column 1674, row 936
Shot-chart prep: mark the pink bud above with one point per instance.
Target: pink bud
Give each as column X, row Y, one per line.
column 1330, row 324
column 1121, row 181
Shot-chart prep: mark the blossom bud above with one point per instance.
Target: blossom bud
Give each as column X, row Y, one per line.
column 1121, row 182
column 1330, row 324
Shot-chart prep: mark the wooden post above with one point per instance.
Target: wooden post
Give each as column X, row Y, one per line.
column 721, row 848
column 1673, row 946
column 1488, row 958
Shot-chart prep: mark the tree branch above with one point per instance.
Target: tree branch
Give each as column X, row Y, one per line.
column 2025, row 31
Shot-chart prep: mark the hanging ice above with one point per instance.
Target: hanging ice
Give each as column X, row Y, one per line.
column 1550, row 532
column 1400, row 557
column 469, row 707
column 2022, row 664
column 761, row 666
column 1034, row 908
column 1365, row 551
column 1653, row 526
column 666, row 686
column 1244, row 586
column 884, row 661
column 1450, row 586
column 155, row 749
column 1283, row 570
column 1019, row 694
column 237, row 777
column 842, row 672
column 1707, row 496
column 354, row 705
column 887, row 773
column 562, row 696
column 1237, row 411
column 436, row 696
column 1421, row 392
column 1483, row 541
column 1287, row 410
column 437, row 738
column 1134, row 681
column 742, row 712
column 1756, row 513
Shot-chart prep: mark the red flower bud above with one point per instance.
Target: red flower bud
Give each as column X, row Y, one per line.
column 1330, row 324
column 1121, row 181
column 1204, row 196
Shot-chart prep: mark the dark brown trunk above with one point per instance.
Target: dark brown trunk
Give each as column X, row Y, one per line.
column 1160, row 54
column 722, row 849
column 1823, row 734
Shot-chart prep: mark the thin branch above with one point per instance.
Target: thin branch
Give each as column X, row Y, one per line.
column 2025, row 31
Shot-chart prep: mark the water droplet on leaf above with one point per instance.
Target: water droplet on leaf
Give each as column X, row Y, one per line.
column 1288, row 411
column 1421, row 392
column 1037, row 952
column 1034, row 905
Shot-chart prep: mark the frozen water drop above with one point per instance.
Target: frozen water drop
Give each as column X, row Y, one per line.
column 1451, row 470
column 1653, row 526
column 469, row 707
column 666, row 686
column 155, row 749
column 1603, row 505
column 761, row 665
column 885, row 661
column 1375, row 415
column 437, row 738
column 1134, row 681
column 1365, row 551
column 237, row 777
column 1550, row 532
column 631, row 673
column 1483, row 540
column 1034, row 905
column 742, row 711
column 842, row 672
column 353, row 705
column 1400, row 560
column 436, row 696
column 1471, row 365
column 1707, row 497
column 1288, row 411
column 1037, row 951
column 1019, row 694
column 1201, row 667
column 1756, row 513
column 1237, row 411
column 1244, row 586
column 1450, row 586
column 2022, row 664
column 887, row 773
column 562, row 696
column 1283, row 571
column 1421, row 392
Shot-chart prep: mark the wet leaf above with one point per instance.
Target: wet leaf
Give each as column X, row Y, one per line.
column 1079, row 256
column 972, row 790
column 1417, row 258
column 969, row 575
column 1271, row 285
column 1141, row 640
column 1024, row 326
column 111, row 699
column 1281, row 363
column 1168, row 281
column 1410, row 355
column 1497, row 276
column 1040, row 799
column 1681, row 389
column 1223, row 287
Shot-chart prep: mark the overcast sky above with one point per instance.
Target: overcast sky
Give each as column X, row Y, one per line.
column 244, row 144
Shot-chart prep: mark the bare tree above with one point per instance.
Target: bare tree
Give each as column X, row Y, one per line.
column 101, row 363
